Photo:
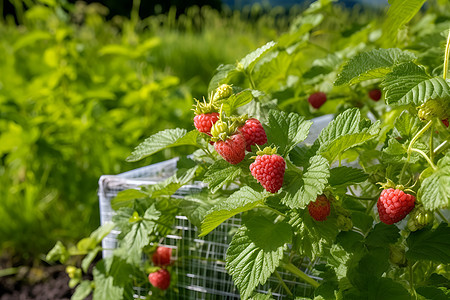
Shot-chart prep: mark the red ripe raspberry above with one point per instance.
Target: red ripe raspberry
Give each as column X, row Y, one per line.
column 253, row 133
column 269, row 171
column 393, row 205
column 161, row 257
column 319, row 209
column 204, row 122
column 445, row 122
column 160, row 279
column 232, row 149
column 375, row 94
column 317, row 99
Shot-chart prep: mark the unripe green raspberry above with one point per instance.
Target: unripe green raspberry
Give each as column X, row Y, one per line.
column 219, row 131
column 419, row 218
column 397, row 256
column 222, row 92
column 344, row 223
column 434, row 108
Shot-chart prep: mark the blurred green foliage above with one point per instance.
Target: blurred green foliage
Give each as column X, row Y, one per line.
column 78, row 92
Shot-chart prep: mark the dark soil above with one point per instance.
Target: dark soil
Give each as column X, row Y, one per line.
column 43, row 283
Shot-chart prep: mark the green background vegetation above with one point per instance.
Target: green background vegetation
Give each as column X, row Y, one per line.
column 78, row 92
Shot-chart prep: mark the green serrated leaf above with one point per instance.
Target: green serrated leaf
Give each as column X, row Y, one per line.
column 400, row 12
column 376, row 261
column 58, row 252
column 286, row 130
column 382, row 235
column 345, row 176
column 112, row 279
column 166, row 139
column 386, row 288
column 410, row 84
column 237, row 100
column 221, row 173
column 315, row 236
column 195, row 207
column 126, row 198
column 373, row 64
column 344, row 132
column 430, row 244
column 331, row 151
column 89, row 259
column 82, row 291
column 310, row 185
column 169, row 186
column 138, row 236
column 223, row 74
column 250, row 258
column 407, row 125
column 434, row 191
column 273, row 70
column 432, row 293
column 242, row 200
column 344, row 123
column 260, row 296
column 249, row 61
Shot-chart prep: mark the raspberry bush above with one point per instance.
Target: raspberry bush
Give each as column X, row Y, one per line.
column 322, row 200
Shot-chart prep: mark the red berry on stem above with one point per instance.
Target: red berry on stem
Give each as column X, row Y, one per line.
column 319, row 209
column 253, row 133
column 232, row 149
column 394, row 205
column 161, row 257
column 375, row 94
column 445, row 122
column 317, row 99
column 204, row 122
column 160, row 279
column 269, row 171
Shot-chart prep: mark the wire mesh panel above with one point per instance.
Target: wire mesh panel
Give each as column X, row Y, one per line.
column 200, row 262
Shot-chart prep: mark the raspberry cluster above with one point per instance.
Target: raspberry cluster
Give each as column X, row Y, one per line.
column 161, row 278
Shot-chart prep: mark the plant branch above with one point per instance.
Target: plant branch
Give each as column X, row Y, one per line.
column 252, row 83
column 425, row 156
column 447, row 54
column 411, row 281
column 439, row 148
column 283, row 284
column 299, row 273
column 411, row 144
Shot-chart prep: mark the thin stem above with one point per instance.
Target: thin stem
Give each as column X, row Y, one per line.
column 425, row 156
column 411, row 144
column 431, row 143
column 208, row 153
column 299, row 273
column 411, row 281
column 442, row 216
column 447, row 54
column 361, row 198
column 440, row 147
column 283, row 284
column 252, row 83
column 419, row 134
